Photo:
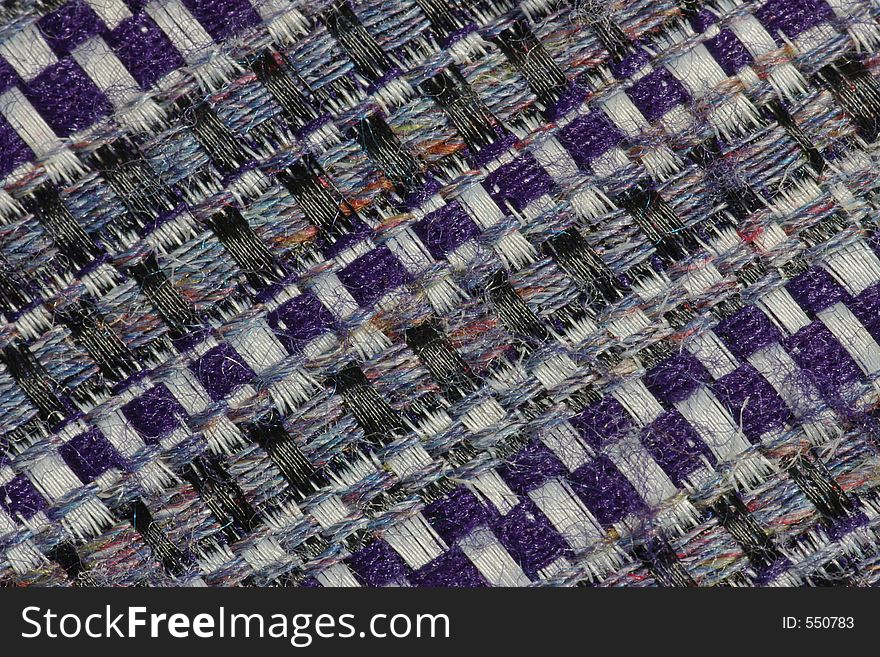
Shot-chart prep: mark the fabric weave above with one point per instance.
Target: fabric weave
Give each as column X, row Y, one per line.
column 439, row 292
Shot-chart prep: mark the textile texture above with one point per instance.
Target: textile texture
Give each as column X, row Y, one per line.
column 439, row 292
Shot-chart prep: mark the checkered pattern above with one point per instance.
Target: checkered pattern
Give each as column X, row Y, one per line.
column 434, row 293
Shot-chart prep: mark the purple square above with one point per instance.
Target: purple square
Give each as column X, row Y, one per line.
column 657, row 93
column 792, row 16
column 89, row 455
column 816, row 351
column 299, row 321
column 529, row 537
column 378, row 565
column 531, row 467
column 20, row 499
column 728, row 51
column 676, row 378
column 866, row 307
column 456, row 515
column 747, row 331
column 815, row 290
column 221, row 371
column 450, row 570
column 602, row 422
column 753, row 402
column 372, row 275
column 13, row 151
column 630, row 64
column 223, row 18
column 519, row 182
column 144, row 50
column 66, row 98
column 445, row 229
column 70, row 25
column 605, row 491
column 675, row 446
column 8, row 76
column 154, row 414
column 589, row 137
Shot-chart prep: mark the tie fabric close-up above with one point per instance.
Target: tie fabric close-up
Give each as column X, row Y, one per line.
column 439, row 293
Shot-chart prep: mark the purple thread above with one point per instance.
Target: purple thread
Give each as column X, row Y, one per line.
column 456, row 515
column 154, row 414
column 144, row 50
column 816, row 351
column 602, row 422
column 792, row 16
column 378, row 565
column 657, row 93
column 519, row 182
column 221, row 371
column 589, row 137
column 304, row 318
column 89, row 455
column 605, row 491
column 13, row 151
column 452, row 569
column 66, row 98
column 528, row 536
column 445, row 229
column 531, row 467
column 676, row 378
column 70, row 25
column 753, row 402
column 676, row 446
column 223, row 18
column 728, row 51
column 20, row 499
column 815, row 290
column 747, row 331
column 372, row 275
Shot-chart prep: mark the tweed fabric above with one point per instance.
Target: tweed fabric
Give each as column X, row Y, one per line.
column 439, row 293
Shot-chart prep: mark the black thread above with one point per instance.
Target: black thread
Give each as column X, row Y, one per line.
column 821, row 489
column 66, row 556
column 368, row 57
column 303, row 181
column 745, row 530
column 400, row 167
column 612, row 38
column 35, row 381
column 247, row 250
column 514, row 312
column 660, row 559
column 46, row 205
column 374, row 415
column 91, row 332
column 133, row 180
column 444, row 17
column 857, row 91
column 275, row 76
column 786, row 121
column 218, row 140
column 168, row 302
column 174, row 561
column 529, row 56
column 13, row 291
column 468, row 114
column 657, row 220
column 271, row 435
column 222, row 496
column 437, row 354
column 578, row 259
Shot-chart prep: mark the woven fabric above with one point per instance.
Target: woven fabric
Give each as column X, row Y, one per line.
column 439, row 293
